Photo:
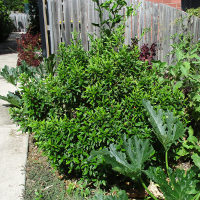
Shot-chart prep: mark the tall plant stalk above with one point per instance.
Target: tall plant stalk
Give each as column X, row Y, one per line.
column 146, row 188
column 166, row 162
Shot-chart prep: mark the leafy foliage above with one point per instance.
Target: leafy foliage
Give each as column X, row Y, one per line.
column 178, row 185
column 181, row 185
column 130, row 163
column 6, row 23
column 189, row 145
column 12, row 98
column 147, row 54
column 194, row 12
column 169, row 132
column 10, row 75
column 92, row 100
column 196, row 159
column 184, row 74
column 29, row 49
column 107, row 26
column 120, row 196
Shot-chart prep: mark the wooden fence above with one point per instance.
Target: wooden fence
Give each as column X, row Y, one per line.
column 20, row 20
column 62, row 17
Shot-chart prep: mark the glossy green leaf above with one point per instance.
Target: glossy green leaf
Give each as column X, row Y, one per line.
column 167, row 131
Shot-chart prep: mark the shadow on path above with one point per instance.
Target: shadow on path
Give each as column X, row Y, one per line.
column 10, row 45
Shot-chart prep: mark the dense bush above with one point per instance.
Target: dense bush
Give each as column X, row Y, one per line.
column 6, row 23
column 95, row 97
column 184, row 74
column 29, row 49
column 194, row 11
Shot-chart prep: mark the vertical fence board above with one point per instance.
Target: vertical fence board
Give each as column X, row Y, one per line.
column 75, row 19
column 155, row 25
column 148, row 22
column 67, row 21
column 141, row 22
column 66, row 16
column 90, row 16
column 84, row 38
column 128, row 28
column 165, row 32
column 135, row 21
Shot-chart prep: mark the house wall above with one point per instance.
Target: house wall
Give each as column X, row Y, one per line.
column 173, row 3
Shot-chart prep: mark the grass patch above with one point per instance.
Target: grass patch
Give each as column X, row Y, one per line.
column 42, row 181
column 45, row 183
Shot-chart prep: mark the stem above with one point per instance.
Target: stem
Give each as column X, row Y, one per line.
column 196, row 197
column 146, row 188
column 166, row 162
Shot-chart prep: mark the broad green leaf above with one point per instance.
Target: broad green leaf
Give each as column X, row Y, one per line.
column 167, row 132
column 178, row 85
column 185, row 68
column 10, row 74
column 197, row 97
column 12, row 98
column 196, row 160
column 180, row 186
column 179, row 54
column 130, row 163
column 120, row 196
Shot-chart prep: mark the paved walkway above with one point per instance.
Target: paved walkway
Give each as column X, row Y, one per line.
column 13, row 145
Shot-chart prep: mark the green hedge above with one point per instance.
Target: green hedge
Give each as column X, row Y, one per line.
column 94, row 99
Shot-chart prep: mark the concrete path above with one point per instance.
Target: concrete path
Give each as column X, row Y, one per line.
column 13, row 145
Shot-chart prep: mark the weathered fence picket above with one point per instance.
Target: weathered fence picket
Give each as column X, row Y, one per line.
column 20, row 20
column 66, row 16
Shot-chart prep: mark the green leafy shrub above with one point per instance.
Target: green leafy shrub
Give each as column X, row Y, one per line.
column 94, row 98
column 184, row 74
column 194, row 11
column 6, row 23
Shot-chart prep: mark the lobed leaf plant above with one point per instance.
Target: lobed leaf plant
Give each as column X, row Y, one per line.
column 12, row 75
column 167, row 132
column 12, row 98
column 131, row 163
column 120, row 196
column 177, row 184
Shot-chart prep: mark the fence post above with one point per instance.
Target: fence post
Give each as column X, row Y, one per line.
column 43, row 28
